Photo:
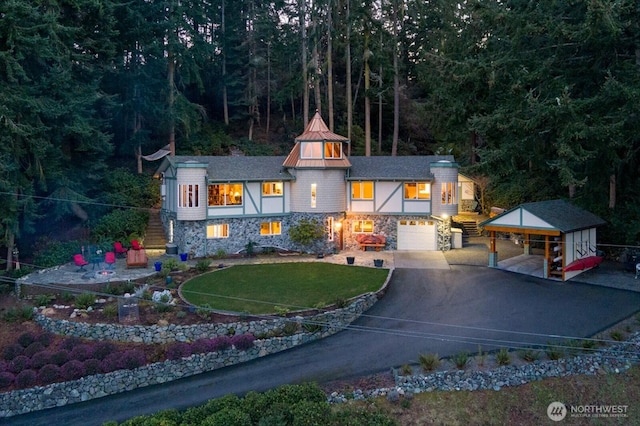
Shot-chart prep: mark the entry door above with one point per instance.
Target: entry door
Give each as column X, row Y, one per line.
column 416, row 235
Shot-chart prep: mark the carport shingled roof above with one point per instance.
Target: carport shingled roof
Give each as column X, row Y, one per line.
column 560, row 214
column 394, row 168
column 238, row 168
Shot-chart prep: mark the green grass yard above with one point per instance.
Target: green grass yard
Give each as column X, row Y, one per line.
column 259, row 289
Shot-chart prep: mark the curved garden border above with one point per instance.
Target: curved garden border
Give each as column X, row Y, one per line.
column 99, row 385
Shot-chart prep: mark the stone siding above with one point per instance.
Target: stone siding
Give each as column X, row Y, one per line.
column 191, row 236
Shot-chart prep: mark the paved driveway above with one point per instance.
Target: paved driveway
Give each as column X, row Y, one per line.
column 425, row 310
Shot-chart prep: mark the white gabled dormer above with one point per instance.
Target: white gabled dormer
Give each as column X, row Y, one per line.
column 319, row 164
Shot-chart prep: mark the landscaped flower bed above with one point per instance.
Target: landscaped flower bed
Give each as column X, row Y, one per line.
column 43, row 358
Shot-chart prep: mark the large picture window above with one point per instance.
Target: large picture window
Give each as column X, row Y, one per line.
column 272, row 189
column 363, row 226
column 227, row 194
column 270, row 228
column 188, row 195
column 417, row 191
column 218, row 231
column 362, row 190
column 449, row 193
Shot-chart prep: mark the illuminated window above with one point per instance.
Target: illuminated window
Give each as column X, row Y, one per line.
column 363, row 226
column 272, row 189
column 417, row 191
column 270, row 228
column 332, row 150
column 449, row 193
column 330, row 227
column 228, row 194
column 314, row 188
column 309, row 150
column 188, row 195
column 218, row 231
column 362, row 190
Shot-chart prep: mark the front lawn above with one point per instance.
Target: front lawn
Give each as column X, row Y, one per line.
column 259, row 289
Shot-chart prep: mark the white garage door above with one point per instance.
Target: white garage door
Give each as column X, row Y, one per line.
column 416, row 235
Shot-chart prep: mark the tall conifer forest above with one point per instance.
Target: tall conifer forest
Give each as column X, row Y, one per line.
column 536, row 99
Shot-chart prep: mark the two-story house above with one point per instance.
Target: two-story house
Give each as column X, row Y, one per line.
column 222, row 203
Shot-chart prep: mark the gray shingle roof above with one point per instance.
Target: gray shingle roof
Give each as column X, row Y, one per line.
column 560, row 214
column 239, row 168
column 394, row 168
column 563, row 215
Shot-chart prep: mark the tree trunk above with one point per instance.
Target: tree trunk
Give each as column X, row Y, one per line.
column 171, row 71
column 348, row 78
column 225, row 100
column 11, row 241
column 268, row 123
column 305, row 73
column 380, row 112
column 317, row 77
column 612, row 191
column 367, row 100
column 396, row 84
column 329, row 68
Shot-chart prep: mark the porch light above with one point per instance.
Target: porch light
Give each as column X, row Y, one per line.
column 337, row 226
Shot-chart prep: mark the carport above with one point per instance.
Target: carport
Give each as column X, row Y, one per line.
column 568, row 232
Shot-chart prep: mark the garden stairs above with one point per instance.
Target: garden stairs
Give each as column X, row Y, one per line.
column 154, row 237
column 469, row 223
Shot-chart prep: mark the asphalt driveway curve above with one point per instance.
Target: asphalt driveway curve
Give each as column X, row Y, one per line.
column 425, row 310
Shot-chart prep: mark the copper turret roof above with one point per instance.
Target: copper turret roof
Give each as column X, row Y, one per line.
column 317, row 131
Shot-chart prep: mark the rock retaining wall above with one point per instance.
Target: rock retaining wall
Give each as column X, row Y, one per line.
column 99, row 385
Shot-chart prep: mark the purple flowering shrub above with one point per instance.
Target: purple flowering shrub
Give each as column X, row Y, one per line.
column 72, row 370
column 178, row 350
column 202, row 346
column 3, row 366
column 60, row 357
column 133, row 358
column 103, row 349
column 6, row 379
column 92, row 366
column 19, row 363
column 12, row 351
column 42, row 358
column 48, row 374
column 242, row 342
column 111, row 363
column 33, row 349
column 25, row 339
column 221, row 343
column 70, row 342
column 45, row 338
column 26, row 378
column 82, row 352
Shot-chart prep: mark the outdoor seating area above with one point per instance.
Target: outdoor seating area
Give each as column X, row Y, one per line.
column 377, row 242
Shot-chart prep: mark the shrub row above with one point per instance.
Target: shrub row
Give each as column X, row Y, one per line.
column 178, row 350
column 32, row 360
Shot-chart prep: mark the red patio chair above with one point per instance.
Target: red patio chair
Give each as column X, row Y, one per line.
column 120, row 251
column 80, row 261
column 110, row 259
column 135, row 245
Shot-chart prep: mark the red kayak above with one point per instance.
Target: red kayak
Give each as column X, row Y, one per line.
column 584, row 263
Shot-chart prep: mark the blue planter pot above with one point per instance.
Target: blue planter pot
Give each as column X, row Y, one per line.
column 158, row 266
column 183, row 257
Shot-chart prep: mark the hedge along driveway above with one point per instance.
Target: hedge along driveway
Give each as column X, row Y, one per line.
column 259, row 289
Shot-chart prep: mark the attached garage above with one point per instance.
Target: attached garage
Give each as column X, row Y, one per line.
column 417, row 235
